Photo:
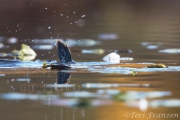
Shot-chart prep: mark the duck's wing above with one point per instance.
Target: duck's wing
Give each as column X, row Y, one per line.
column 63, row 52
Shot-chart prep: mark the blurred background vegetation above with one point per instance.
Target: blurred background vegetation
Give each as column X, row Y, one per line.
column 137, row 19
column 133, row 21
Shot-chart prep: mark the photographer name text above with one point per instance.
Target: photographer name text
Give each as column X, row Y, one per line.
column 150, row 115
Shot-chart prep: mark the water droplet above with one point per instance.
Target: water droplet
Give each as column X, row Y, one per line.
column 83, row 15
column 80, row 22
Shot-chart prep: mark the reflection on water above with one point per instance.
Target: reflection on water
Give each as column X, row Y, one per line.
column 59, row 85
column 21, row 96
column 108, row 36
column 144, row 104
column 76, row 98
column 63, row 78
column 50, row 88
column 172, row 51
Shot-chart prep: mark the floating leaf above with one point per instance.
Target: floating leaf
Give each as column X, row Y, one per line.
column 44, row 64
column 26, row 53
column 93, row 51
column 112, row 57
column 134, row 72
column 14, row 53
column 157, row 66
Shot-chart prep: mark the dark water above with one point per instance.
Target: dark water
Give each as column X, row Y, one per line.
column 149, row 29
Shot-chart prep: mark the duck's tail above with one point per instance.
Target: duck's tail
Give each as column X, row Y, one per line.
column 63, row 52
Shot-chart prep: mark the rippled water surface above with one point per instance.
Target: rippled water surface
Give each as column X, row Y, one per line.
column 142, row 33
